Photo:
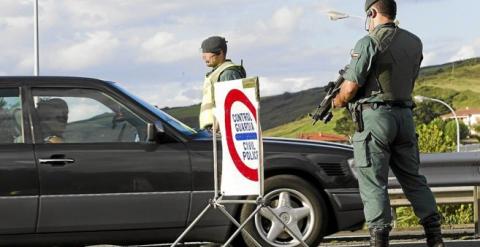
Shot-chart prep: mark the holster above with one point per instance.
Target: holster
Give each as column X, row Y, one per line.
column 357, row 117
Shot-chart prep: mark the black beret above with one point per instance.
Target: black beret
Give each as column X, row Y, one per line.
column 369, row 3
column 214, row 44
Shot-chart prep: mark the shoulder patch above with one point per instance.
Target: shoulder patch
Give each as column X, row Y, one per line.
column 354, row 54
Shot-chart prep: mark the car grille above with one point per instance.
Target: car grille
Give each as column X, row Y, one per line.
column 333, row 169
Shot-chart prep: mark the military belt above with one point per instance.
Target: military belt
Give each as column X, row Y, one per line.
column 374, row 106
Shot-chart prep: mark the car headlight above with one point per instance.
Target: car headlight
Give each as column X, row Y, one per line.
column 351, row 165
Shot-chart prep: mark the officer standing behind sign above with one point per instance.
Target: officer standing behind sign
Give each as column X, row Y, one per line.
column 378, row 86
column 214, row 51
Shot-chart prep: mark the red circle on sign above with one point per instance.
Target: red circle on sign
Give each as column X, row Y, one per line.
column 233, row 96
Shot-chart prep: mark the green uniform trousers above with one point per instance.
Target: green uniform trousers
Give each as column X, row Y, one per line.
column 389, row 141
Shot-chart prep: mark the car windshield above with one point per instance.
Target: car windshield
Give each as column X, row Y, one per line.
column 183, row 128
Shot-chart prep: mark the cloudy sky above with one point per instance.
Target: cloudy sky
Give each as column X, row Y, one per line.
column 151, row 47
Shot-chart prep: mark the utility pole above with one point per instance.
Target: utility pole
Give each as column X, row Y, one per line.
column 36, row 70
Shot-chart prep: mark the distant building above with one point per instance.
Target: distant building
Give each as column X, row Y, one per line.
column 324, row 137
column 470, row 117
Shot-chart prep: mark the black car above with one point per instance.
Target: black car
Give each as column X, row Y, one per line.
column 82, row 161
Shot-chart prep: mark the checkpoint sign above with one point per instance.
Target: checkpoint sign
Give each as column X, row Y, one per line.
column 237, row 114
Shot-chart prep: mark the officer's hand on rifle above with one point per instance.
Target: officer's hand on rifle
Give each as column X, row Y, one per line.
column 348, row 89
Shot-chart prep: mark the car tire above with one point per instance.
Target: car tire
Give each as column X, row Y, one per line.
column 292, row 198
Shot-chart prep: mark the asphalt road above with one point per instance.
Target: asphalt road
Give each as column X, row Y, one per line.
column 416, row 243
column 449, row 243
column 453, row 238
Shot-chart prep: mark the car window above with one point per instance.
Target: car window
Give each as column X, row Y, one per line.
column 11, row 119
column 85, row 116
column 181, row 127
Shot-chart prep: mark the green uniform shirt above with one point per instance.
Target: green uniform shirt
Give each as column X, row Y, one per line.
column 385, row 64
column 361, row 61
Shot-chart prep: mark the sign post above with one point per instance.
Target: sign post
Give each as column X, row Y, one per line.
column 237, row 108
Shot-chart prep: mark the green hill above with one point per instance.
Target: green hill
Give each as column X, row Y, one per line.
column 303, row 125
column 458, row 83
column 274, row 111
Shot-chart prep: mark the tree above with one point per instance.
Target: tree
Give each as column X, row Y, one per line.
column 477, row 129
column 344, row 124
column 440, row 124
column 424, row 113
column 431, row 139
column 427, row 111
column 451, row 130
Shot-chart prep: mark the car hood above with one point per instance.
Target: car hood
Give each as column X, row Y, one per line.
column 292, row 145
column 301, row 143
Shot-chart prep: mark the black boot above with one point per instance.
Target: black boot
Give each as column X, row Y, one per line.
column 433, row 231
column 379, row 236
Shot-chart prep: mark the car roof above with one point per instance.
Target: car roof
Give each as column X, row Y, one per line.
column 51, row 80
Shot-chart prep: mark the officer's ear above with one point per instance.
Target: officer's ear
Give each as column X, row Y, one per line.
column 372, row 13
column 221, row 53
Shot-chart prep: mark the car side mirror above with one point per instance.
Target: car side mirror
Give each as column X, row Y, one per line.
column 155, row 131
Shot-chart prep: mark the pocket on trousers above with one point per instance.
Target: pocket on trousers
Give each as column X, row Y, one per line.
column 360, row 148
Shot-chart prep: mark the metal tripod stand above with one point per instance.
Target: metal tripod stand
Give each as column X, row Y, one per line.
column 217, row 202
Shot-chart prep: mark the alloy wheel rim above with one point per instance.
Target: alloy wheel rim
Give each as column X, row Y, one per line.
column 294, row 209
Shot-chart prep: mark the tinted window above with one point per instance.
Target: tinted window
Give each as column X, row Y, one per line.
column 179, row 126
column 85, row 116
column 11, row 123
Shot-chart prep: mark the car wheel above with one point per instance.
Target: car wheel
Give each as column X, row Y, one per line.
column 297, row 203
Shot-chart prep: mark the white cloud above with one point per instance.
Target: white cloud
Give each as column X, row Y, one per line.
column 17, row 22
column 292, row 46
column 277, row 85
column 97, row 48
column 169, row 94
column 286, row 19
column 26, row 63
column 467, row 51
column 278, row 28
column 84, row 108
column 429, row 58
column 164, row 47
column 105, row 13
column 275, row 29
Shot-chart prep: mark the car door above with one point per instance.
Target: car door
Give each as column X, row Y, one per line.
column 96, row 169
column 18, row 172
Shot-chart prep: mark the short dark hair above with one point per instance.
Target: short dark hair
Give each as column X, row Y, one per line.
column 387, row 8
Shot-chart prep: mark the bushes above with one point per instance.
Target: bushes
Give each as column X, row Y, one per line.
column 451, row 130
column 455, row 214
column 477, row 129
column 435, row 137
column 431, row 138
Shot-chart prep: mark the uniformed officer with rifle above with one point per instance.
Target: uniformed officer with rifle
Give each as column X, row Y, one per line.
column 377, row 87
column 214, row 51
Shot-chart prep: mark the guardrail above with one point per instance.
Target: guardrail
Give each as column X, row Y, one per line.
column 443, row 195
column 453, row 177
column 470, row 148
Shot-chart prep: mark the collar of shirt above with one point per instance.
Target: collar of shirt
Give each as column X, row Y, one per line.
column 388, row 24
column 226, row 60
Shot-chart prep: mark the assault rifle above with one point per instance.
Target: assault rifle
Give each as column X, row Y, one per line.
column 324, row 110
